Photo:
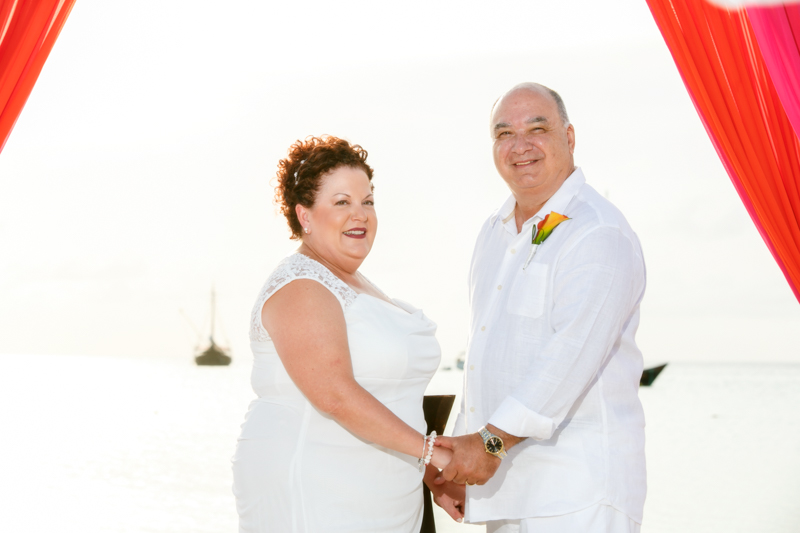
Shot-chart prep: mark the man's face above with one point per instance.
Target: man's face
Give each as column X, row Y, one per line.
column 532, row 146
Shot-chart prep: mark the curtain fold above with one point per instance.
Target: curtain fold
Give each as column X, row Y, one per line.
column 779, row 41
column 28, row 31
column 718, row 55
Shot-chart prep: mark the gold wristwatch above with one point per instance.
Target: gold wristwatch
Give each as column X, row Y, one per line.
column 492, row 443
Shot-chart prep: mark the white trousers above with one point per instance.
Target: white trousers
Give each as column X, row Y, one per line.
column 595, row 519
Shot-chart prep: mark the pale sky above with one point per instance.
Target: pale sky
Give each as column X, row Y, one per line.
column 138, row 174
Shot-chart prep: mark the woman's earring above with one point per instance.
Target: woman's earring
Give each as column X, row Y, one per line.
column 307, row 230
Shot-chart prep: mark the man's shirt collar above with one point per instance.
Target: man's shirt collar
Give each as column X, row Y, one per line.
column 506, row 211
column 558, row 202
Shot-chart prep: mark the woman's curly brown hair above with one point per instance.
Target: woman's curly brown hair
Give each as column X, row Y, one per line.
column 300, row 173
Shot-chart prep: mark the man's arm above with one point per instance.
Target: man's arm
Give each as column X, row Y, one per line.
column 596, row 287
column 597, row 284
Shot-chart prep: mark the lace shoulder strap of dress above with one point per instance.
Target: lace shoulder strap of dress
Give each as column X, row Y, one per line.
column 297, row 266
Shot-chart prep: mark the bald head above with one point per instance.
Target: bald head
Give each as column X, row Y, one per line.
column 535, row 88
column 533, row 144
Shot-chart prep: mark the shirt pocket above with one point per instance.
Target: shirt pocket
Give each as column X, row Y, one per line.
column 528, row 292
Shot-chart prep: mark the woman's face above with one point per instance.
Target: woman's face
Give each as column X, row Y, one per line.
column 342, row 221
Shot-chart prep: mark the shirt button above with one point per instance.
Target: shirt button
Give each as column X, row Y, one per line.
column 471, row 409
column 499, row 287
column 483, row 328
column 513, row 250
column 472, row 367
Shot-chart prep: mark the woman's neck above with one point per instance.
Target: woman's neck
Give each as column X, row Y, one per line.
column 346, row 271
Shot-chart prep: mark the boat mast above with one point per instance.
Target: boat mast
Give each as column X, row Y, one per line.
column 211, row 336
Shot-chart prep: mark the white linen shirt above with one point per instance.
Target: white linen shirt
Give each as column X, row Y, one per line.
column 552, row 357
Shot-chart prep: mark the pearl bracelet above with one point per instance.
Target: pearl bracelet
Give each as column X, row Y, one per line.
column 428, row 441
column 421, row 461
column 431, row 440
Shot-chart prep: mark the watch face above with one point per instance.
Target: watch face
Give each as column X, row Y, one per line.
column 494, row 444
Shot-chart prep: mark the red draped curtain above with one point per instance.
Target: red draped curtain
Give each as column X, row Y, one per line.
column 720, row 60
column 777, row 30
column 28, row 30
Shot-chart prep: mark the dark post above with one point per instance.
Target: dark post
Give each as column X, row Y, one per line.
column 437, row 411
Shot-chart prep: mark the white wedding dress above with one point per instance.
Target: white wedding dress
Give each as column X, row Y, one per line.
column 295, row 468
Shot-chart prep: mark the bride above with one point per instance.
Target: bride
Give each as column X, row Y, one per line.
column 335, row 440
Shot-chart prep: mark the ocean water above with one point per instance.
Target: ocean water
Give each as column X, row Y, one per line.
column 93, row 444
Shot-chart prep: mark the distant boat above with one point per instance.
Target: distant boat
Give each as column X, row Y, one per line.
column 650, row 374
column 214, row 355
column 460, row 360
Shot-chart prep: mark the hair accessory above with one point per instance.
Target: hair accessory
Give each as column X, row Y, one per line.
column 296, row 179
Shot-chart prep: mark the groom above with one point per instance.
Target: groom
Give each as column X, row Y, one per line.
column 551, row 427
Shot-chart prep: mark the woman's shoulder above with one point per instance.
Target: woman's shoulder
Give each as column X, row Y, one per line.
column 293, row 268
column 297, row 267
column 284, row 266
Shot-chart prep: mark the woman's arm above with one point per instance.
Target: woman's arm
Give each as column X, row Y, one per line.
column 306, row 323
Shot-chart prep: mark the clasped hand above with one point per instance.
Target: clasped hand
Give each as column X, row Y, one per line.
column 464, row 461
column 447, row 495
column 470, row 464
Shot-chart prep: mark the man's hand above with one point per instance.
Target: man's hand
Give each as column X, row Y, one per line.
column 471, row 464
column 447, row 495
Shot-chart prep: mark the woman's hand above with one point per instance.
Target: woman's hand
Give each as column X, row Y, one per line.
column 441, row 457
column 446, row 494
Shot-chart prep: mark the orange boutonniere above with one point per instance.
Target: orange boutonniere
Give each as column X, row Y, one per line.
column 541, row 231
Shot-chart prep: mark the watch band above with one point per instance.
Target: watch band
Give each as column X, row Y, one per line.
column 492, row 443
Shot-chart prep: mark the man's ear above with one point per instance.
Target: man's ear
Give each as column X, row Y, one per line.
column 571, row 138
